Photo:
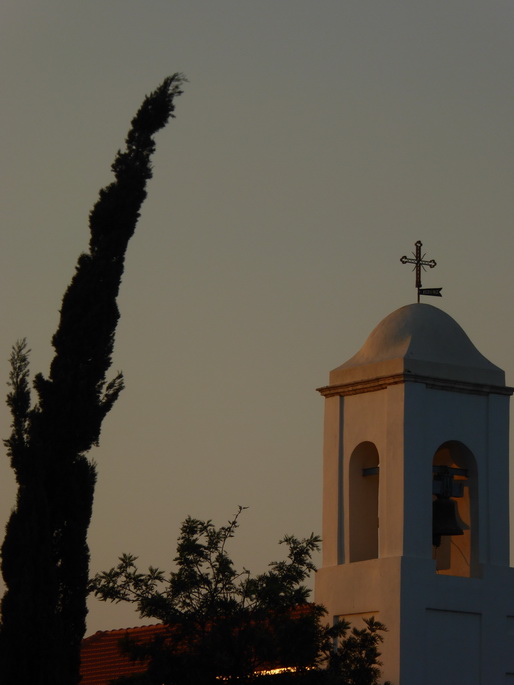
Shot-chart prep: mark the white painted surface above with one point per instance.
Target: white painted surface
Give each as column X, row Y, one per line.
column 420, row 391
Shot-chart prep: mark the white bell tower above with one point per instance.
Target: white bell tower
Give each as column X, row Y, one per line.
column 416, row 501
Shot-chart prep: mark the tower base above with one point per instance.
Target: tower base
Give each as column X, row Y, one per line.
column 440, row 629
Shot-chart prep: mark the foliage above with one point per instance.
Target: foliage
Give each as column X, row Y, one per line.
column 45, row 557
column 356, row 659
column 225, row 623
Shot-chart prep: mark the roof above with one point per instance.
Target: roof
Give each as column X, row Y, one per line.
column 419, row 339
column 102, row 659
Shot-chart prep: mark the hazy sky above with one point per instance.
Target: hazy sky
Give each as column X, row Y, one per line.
column 314, row 144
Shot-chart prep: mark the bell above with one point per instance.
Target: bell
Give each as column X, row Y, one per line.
column 444, row 519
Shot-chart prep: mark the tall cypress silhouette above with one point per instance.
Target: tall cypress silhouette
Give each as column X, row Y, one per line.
column 45, row 556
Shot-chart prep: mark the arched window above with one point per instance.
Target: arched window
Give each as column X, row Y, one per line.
column 454, row 470
column 363, row 509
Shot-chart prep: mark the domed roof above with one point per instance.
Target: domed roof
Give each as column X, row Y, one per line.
column 419, row 339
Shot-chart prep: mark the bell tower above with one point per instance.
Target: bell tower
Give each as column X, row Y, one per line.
column 416, row 501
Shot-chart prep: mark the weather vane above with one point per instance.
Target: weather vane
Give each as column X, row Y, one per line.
column 420, row 262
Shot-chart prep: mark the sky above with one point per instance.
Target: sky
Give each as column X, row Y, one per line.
column 314, row 144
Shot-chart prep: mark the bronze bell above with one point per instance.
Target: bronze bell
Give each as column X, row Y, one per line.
column 444, row 519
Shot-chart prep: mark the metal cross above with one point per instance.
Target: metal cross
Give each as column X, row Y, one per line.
column 419, row 263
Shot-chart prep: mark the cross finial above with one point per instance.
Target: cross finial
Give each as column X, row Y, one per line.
column 420, row 262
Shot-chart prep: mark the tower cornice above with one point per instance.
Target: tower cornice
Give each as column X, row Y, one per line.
column 382, row 382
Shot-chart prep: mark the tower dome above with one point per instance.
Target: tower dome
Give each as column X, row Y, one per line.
column 419, row 339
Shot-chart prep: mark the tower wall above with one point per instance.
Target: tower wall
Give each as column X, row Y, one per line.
column 448, row 609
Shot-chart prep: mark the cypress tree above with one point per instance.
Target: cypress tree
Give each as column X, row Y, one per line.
column 45, row 556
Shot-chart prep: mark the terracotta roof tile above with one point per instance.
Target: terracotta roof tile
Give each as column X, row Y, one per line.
column 101, row 657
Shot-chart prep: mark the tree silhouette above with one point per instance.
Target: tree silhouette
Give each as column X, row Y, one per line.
column 221, row 623
column 45, row 557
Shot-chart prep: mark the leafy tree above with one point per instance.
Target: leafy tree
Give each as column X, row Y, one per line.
column 356, row 659
column 45, row 556
column 225, row 623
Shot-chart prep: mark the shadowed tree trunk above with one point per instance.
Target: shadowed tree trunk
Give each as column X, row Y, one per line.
column 45, row 557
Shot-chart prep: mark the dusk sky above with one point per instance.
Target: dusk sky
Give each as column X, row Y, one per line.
column 315, row 142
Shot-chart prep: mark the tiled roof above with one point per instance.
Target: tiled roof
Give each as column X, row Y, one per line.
column 102, row 660
column 101, row 657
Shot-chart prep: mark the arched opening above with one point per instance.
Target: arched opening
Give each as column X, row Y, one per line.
column 454, row 470
column 363, row 510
